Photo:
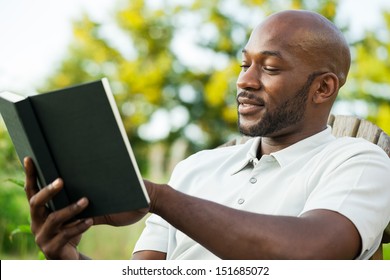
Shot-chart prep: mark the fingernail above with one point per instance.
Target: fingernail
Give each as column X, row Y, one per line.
column 82, row 202
column 55, row 184
column 88, row 222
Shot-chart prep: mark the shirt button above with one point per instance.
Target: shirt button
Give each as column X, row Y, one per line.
column 253, row 180
column 241, row 201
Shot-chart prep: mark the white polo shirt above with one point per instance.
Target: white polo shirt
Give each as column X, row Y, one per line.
column 346, row 175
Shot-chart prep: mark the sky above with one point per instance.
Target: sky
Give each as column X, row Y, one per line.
column 34, row 34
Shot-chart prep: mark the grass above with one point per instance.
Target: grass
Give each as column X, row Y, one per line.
column 386, row 251
column 100, row 243
column 110, row 243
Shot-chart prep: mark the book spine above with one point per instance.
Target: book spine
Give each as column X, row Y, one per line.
column 28, row 140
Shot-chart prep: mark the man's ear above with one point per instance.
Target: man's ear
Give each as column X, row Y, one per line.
column 327, row 86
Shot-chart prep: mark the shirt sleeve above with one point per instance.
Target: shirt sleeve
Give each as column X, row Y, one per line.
column 154, row 236
column 356, row 186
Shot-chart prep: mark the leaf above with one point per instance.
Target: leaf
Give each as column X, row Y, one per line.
column 20, row 229
column 17, row 182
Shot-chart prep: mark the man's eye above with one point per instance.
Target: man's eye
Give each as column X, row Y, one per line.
column 271, row 70
column 244, row 67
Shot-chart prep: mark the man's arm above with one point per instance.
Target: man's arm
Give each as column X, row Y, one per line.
column 149, row 255
column 235, row 234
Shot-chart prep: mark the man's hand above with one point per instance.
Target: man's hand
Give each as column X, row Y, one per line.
column 53, row 233
column 55, row 236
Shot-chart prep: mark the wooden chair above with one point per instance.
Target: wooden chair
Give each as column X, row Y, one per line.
column 361, row 128
column 353, row 127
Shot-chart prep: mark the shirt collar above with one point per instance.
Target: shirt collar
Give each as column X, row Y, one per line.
column 285, row 156
column 250, row 150
column 302, row 147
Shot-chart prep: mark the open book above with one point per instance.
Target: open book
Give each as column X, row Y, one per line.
column 77, row 134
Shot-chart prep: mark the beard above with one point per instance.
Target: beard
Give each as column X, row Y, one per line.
column 286, row 114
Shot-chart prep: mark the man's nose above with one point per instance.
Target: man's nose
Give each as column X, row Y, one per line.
column 249, row 78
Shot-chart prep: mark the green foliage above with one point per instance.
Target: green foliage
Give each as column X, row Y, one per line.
column 386, row 251
column 369, row 79
column 21, row 229
column 8, row 160
column 17, row 182
column 15, row 235
column 154, row 72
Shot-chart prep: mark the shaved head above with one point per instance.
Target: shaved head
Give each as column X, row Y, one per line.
column 319, row 42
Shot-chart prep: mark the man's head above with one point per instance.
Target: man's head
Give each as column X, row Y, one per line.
column 292, row 68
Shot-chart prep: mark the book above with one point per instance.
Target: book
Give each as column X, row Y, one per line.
column 77, row 134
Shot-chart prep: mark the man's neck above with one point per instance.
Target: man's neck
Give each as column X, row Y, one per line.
column 270, row 145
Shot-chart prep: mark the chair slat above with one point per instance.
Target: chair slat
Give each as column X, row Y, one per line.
column 384, row 142
column 331, row 120
column 345, row 126
column 368, row 131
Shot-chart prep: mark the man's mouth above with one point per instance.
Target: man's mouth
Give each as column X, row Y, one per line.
column 248, row 106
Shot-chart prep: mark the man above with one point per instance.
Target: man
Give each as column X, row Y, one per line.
column 295, row 192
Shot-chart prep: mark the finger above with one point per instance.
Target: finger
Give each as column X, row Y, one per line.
column 100, row 220
column 40, row 199
column 52, row 246
column 68, row 233
column 59, row 218
column 31, row 186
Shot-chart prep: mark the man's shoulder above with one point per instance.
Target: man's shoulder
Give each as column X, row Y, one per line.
column 351, row 147
column 352, row 143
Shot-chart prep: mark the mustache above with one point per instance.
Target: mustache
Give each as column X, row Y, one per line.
column 249, row 95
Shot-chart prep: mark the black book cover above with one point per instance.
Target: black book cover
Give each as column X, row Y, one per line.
column 84, row 136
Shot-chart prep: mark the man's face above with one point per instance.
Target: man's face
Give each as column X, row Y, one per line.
column 286, row 114
column 273, row 86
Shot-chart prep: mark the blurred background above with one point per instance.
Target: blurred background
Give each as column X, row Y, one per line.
column 172, row 65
